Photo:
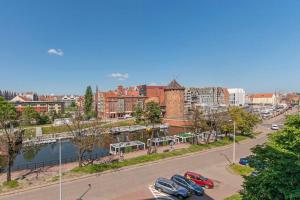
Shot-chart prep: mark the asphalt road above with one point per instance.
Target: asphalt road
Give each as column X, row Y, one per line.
column 135, row 182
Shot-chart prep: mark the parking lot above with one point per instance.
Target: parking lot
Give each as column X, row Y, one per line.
column 163, row 196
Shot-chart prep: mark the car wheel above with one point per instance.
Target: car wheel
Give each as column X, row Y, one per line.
column 158, row 189
column 180, row 197
column 206, row 186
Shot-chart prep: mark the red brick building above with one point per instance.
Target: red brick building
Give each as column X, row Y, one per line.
column 154, row 93
column 120, row 102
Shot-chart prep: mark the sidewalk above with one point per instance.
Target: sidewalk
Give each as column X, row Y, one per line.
column 50, row 174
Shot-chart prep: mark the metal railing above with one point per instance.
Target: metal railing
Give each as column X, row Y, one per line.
column 49, row 163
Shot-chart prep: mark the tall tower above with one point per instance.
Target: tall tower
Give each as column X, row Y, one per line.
column 174, row 99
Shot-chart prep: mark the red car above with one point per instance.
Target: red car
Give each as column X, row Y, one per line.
column 199, row 179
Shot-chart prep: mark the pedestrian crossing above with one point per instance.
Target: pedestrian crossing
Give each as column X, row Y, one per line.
column 159, row 195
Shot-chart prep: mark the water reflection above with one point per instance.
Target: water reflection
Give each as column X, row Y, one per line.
column 49, row 152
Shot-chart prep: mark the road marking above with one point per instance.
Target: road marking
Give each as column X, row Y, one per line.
column 158, row 195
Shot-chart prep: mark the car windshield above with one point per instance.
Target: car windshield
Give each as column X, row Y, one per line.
column 203, row 178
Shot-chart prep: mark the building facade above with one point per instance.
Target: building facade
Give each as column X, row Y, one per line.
column 153, row 93
column 264, row 99
column 120, row 102
column 174, row 99
column 207, row 96
column 236, row 96
column 40, row 106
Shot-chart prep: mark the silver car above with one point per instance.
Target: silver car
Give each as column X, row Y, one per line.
column 170, row 187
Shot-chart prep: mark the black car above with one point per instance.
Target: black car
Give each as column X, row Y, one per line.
column 188, row 184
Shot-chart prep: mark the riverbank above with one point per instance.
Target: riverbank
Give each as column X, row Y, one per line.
column 28, row 179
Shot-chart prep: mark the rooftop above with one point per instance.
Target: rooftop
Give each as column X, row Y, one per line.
column 174, row 85
column 262, row 95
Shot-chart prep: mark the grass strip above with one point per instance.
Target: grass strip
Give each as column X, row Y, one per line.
column 242, row 170
column 89, row 169
column 234, row 197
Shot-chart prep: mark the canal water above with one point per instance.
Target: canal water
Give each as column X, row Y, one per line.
column 49, row 153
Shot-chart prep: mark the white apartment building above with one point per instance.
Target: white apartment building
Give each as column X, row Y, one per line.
column 236, row 96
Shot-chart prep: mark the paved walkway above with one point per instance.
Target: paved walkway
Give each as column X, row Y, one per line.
column 35, row 177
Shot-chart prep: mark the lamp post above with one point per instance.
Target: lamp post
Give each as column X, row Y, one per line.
column 233, row 152
column 60, row 174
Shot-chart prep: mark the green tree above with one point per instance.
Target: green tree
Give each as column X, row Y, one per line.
column 10, row 138
column 245, row 121
column 43, row 119
column 138, row 113
column 152, row 116
column 85, row 139
column 73, row 104
column 278, row 165
column 88, row 101
column 29, row 115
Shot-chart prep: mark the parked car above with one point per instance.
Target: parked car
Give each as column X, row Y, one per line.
column 188, row 184
column 170, row 187
column 199, row 179
column 274, row 127
column 244, row 161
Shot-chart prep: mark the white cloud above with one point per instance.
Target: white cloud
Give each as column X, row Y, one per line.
column 119, row 76
column 153, row 84
column 55, row 52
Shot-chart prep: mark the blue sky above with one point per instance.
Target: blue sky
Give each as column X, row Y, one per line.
column 63, row 46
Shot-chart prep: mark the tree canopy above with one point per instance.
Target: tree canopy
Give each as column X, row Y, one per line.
column 152, row 113
column 245, row 121
column 138, row 113
column 10, row 138
column 278, row 165
column 88, row 101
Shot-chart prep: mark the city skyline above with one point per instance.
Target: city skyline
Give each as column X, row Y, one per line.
column 60, row 48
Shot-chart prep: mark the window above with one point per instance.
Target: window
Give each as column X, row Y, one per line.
column 165, row 184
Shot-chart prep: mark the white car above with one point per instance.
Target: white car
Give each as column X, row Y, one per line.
column 274, row 127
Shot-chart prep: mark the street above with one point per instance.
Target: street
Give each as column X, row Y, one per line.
column 136, row 182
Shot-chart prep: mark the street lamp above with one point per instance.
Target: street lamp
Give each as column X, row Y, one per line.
column 233, row 151
column 60, row 174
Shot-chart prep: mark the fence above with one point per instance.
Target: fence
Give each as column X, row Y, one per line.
column 37, row 165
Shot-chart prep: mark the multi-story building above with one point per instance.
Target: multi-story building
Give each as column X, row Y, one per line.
column 40, row 106
column 69, row 99
column 264, row 99
column 120, row 102
column 236, row 96
column 207, row 96
column 153, row 93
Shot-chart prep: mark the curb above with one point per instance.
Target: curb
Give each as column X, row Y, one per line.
column 17, row 191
